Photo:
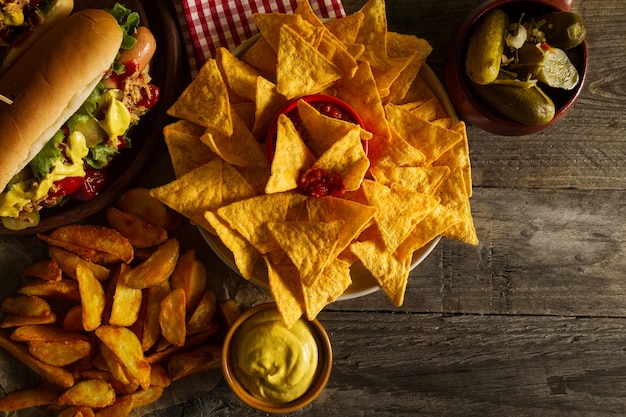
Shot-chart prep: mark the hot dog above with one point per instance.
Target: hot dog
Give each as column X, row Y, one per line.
column 23, row 22
column 76, row 93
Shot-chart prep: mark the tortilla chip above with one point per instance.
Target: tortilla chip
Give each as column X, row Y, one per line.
column 416, row 50
column 457, row 157
column 257, row 177
column 336, row 52
column 398, row 210
column 302, row 69
column 434, row 224
column 240, row 148
column 453, row 197
column 346, row 28
column 391, row 273
column 271, row 24
column 361, row 93
column 186, row 150
column 347, row 158
column 394, row 151
column 239, row 76
column 331, row 284
column 235, row 187
column 262, row 57
column 244, row 254
column 432, row 140
column 387, row 76
column 373, row 33
column 268, row 103
column 308, row 244
column 305, row 10
column 250, row 218
column 205, row 100
column 424, row 180
column 324, row 131
column 356, row 217
column 194, row 193
column 246, row 111
column 291, row 158
column 286, row 289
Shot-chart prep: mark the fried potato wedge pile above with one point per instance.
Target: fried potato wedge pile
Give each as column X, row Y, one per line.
column 114, row 315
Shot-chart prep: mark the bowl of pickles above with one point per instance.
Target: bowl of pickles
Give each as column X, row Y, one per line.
column 516, row 67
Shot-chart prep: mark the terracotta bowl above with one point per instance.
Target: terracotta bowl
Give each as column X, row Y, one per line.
column 325, row 360
column 291, row 107
column 458, row 84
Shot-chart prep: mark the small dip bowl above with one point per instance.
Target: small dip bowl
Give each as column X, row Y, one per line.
column 322, row 373
column 458, row 84
column 290, row 109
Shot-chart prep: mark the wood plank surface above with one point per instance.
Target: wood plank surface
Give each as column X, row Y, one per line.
column 461, row 365
column 532, row 320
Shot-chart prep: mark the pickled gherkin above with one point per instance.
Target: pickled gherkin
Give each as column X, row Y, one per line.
column 485, row 47
column 523, row 102
column 564, row 30
column 549, row 65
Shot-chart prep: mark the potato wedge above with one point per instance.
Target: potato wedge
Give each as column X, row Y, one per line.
column 159, row 376
column 146, row 396
column 139, row 232
column 27, row 398
column 151, row 327
column 92, row 297
column 198, row 360
column 139, row 202
column 157, row 268
column 53, row 374
column 60, row 352
column 98, row 244
column 76, row 411
column 73, row 320
column 126, row 301
column 17, row 321
column 120, row 408
column 190, row 275
column 107, row 376
column 46, row 269
column 45, row 333
column 230, row 311
column 112, row 364
column 65, row 289
column 95, row 393
column 127, row 348
column 67, row 261
column 25, row 305
column 202, row 316
column 172, row 317
column 192, row 341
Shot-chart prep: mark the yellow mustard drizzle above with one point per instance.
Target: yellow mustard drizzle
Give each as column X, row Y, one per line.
column 17, row 197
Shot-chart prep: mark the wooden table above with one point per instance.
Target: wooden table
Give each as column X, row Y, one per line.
column 532, row 321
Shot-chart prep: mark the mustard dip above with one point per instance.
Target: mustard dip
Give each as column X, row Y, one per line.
column 274, row 363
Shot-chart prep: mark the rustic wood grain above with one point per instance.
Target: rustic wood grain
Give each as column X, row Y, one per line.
column 461, row 365
column 532, row 320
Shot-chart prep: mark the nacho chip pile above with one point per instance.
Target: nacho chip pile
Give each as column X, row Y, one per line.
column 412, row 186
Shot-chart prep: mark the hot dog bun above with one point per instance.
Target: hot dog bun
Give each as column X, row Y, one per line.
column 59, row 10
column 50, row 81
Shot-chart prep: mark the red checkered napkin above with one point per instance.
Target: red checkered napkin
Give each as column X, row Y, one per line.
column 207, row 25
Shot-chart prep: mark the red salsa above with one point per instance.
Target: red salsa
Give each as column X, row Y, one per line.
column 318, row 182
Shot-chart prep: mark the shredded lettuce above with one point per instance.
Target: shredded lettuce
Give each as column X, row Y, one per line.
column 43, row 162
column 128, row 21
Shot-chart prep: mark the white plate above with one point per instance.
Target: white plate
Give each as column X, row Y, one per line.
column 363, row 283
